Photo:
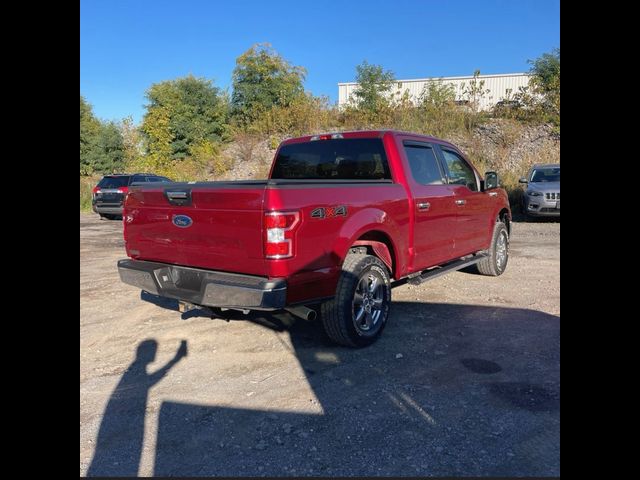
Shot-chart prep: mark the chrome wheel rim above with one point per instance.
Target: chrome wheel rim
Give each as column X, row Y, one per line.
column 368, row 303
column 501, row 249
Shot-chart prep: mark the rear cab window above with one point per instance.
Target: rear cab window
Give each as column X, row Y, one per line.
column 333, row 159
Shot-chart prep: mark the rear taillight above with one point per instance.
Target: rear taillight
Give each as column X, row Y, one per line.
column 122, row 190
column 279, row 234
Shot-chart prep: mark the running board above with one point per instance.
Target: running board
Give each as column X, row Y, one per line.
column 417, row 279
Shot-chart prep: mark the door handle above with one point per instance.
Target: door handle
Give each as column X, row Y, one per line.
column 424, row 206
column 493, row 194
column 460, row 202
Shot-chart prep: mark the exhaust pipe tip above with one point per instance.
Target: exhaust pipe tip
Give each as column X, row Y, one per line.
column 303, row 312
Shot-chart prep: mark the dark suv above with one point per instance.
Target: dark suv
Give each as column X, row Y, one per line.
column 109, row 194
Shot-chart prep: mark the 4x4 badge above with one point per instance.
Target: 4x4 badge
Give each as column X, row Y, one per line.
column 329, row 212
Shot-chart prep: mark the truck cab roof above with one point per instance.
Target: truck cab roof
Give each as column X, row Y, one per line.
column 364, row 134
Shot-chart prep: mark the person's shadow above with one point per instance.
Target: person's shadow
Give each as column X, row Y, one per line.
column 120, row 439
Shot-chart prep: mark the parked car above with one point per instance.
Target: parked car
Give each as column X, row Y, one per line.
column 541, row 197
column 109, row 194
column 340, row 218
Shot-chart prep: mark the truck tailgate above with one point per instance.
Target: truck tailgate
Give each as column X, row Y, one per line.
column 218, row 225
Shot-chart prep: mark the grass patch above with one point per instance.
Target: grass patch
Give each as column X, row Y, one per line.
column 86, row 185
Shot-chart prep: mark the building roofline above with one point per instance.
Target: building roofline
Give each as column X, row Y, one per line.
column 465, row 77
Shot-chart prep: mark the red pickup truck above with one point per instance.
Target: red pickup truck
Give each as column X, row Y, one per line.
column 342, row 218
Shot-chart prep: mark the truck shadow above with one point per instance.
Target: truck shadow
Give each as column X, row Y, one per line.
column 448, row 390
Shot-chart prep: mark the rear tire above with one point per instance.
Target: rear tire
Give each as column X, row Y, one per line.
column 359, row 311
column 496, row 263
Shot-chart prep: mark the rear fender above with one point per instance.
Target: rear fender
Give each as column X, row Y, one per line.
column 364, row 221
column 380, row 249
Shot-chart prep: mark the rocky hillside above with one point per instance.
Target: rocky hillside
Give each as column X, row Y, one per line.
column 510, row 147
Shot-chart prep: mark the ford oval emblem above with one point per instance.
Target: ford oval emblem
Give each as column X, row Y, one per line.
column 182, row 221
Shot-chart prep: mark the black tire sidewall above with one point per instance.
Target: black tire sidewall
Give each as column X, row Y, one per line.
column 363, row 267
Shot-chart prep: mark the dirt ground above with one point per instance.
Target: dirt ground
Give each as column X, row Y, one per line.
column 464, row 381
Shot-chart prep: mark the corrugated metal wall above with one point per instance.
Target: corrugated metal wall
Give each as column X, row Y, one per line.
column 496, row 84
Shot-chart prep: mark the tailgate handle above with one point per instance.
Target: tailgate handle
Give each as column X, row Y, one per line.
column 174, row 195
column 179, row 197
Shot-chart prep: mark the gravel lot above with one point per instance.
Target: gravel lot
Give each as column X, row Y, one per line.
column 464, row 381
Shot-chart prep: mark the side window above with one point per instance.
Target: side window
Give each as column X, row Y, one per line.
column 460, row 173
column 138, row 178
column 423, row 164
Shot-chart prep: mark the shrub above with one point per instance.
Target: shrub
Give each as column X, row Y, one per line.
column 86, row 186
column 246, row 144
column 304, row 115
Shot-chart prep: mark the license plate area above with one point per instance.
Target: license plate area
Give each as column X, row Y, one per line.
column 187, row 279
column 180, row 278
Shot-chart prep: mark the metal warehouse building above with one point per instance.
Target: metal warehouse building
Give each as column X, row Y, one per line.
column 498, row 85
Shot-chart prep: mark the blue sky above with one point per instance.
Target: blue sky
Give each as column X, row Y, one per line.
column 126, row 45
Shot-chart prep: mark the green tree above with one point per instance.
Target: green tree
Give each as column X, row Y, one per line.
column 89, row 127
column 108, row 154
column 546, row 79
column 262, row 79
column 181, row 114
column 131, row 140
column 374, row 87
column 101, row 143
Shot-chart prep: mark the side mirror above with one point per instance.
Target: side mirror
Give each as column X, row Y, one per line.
column 522, row 180
column 490, row 180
